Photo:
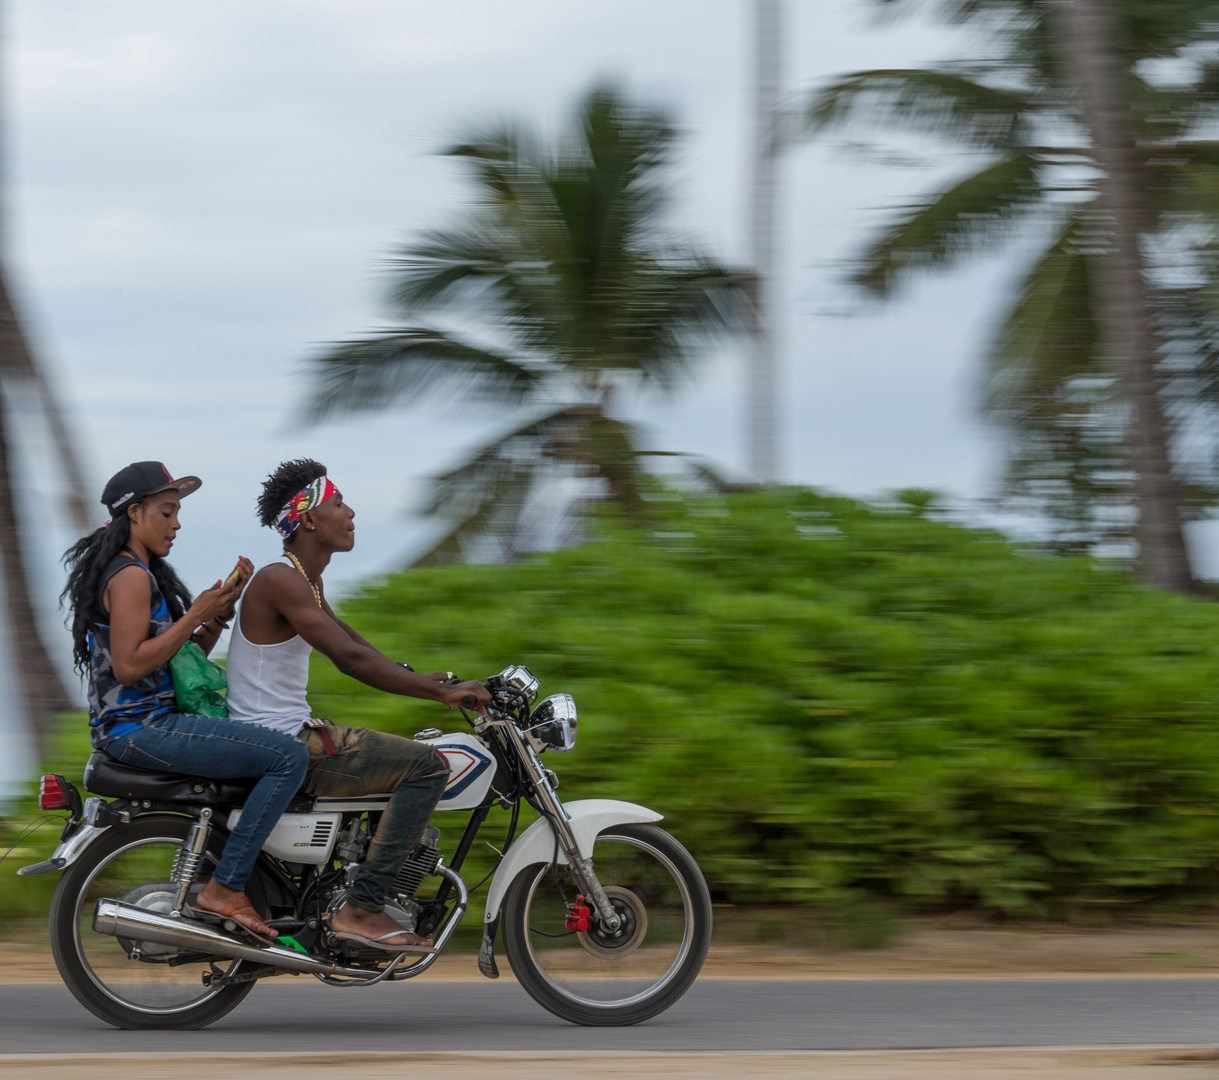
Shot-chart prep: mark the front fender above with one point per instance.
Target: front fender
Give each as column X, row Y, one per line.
column 589, row 818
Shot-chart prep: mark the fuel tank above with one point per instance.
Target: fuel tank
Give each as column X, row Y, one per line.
column 471, row 770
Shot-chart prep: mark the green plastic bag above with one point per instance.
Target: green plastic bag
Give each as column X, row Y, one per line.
column 199, row 684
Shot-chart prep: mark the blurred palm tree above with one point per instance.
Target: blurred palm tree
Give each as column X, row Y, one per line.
column 1103, row 400
column 557, row 290
column 40, row 691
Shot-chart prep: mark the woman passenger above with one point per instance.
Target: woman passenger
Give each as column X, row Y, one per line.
column 130, row 614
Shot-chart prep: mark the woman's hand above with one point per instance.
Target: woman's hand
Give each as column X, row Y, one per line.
column 237, row 580
column 217, row 602
column 245, row 571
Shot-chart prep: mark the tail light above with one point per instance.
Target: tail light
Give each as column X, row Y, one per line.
column 53, row 793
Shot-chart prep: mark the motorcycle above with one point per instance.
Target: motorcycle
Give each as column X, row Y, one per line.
column 606, row 918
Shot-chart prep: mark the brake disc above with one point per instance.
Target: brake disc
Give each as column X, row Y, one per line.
column 620, row 943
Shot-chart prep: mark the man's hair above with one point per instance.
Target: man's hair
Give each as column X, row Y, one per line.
column 283, row 483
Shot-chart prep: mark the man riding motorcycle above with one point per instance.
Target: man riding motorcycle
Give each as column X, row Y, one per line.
column 282, row 618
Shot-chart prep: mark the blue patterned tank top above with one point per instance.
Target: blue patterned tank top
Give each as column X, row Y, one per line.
column 115, row 709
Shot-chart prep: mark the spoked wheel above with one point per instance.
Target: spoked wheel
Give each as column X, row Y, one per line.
column 602, row 978
column 136, row 984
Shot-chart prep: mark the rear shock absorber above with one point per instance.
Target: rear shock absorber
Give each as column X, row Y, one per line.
column 422, row 860
column 190, row 855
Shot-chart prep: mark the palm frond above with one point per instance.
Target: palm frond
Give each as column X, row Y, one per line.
column 449, row 267
column 971, row 215
column 655, row 320
column 484, row 522
column 410, row 364
column 1049, row 336
column 1051, row 387
column 503, row 160
column 486, row 500
column 463, row 489
column 925, row 101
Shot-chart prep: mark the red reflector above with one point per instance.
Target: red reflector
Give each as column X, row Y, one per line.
column 51, row 795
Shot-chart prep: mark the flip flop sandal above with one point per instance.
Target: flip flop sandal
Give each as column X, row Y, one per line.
column 381, row 943
column 236, row 911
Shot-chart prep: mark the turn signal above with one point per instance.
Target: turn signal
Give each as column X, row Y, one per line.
column 53, row 794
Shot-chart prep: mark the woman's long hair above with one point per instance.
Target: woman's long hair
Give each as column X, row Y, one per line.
column 86, row 560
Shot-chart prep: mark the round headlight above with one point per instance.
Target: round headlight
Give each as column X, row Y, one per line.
column 553, row 724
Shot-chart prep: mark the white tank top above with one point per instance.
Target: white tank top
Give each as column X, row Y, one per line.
column 267, row 682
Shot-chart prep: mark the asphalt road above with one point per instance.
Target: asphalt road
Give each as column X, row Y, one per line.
column 716, row 1015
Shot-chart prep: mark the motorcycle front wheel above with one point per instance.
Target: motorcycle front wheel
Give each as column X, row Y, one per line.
column 603, row 979
column 159, row 987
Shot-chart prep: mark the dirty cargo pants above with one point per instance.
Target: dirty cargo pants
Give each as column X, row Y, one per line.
column 368, row 762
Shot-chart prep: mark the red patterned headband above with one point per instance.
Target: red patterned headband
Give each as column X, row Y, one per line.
column 306, row 499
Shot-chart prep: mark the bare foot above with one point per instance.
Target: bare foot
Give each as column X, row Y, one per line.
column 350, row 919
column 217, row 899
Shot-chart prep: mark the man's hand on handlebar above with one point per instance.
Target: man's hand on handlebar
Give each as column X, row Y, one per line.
column 469, row 695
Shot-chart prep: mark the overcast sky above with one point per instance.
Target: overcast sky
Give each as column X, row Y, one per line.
column 200, row 193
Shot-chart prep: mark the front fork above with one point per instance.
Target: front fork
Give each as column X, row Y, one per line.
column 582, row 868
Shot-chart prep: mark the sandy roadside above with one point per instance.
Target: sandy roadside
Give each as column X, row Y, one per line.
column 923, row 952
column 1129, row 1064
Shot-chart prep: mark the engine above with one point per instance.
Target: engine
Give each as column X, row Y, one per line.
column 421, row 862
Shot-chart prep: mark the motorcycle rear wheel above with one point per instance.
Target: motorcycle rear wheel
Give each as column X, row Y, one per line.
column 600, row 979
column 133, row 863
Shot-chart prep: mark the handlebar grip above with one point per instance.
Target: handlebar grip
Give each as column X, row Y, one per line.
column 469, row 702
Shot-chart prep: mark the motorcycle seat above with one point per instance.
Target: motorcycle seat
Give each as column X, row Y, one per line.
column 105, row 776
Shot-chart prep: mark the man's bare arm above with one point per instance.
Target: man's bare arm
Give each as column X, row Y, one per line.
column 293, row 599
column 346, row 629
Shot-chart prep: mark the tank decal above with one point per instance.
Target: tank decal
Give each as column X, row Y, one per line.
column 465, row 766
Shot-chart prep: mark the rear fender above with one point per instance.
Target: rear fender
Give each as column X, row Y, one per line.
column 69, row 850
column 589, row 818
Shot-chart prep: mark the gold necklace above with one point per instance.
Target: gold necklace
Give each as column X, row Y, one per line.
column 297, row 563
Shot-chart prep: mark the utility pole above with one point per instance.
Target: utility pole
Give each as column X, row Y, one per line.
column 769, row 137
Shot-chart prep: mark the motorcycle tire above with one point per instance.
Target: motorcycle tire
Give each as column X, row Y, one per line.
column 600, row 979
column 132, row 862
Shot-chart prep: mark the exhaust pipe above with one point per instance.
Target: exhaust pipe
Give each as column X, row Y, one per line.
column 139, row 924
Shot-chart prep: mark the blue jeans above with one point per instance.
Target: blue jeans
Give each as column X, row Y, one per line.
column 221, row 749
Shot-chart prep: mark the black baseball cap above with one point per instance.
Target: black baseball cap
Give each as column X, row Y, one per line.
column 141, row 479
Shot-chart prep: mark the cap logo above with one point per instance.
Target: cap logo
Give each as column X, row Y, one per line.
column 119, row 502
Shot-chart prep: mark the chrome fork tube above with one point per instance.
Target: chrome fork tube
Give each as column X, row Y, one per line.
column 559, row 820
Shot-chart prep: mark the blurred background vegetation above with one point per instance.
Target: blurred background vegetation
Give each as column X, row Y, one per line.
column 835, row 703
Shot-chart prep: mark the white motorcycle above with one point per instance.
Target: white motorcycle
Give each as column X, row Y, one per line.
column 606, row 918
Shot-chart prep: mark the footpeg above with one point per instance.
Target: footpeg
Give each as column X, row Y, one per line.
column 486, row 951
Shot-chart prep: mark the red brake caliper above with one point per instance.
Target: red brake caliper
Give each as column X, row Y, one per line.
column 578, row 914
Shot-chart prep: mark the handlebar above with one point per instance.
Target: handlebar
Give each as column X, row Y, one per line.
column 467, row 702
